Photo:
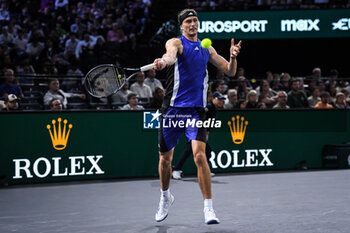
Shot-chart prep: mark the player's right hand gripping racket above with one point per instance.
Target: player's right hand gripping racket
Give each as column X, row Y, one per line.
column 107, row 79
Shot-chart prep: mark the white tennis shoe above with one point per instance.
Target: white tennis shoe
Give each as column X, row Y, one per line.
column 177, row 174
column 210, row 216
column 163, row 208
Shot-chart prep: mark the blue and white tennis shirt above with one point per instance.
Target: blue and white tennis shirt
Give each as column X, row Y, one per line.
column 187, row 83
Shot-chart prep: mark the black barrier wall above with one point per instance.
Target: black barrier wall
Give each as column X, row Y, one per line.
column 66, row 146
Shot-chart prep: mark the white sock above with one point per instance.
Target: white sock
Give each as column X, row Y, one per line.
column 165, row 193
column 208, row 203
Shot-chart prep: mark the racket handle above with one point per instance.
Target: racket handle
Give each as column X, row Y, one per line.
column 147, row 67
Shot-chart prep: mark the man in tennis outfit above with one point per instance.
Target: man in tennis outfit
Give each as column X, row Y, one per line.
column 185, row 62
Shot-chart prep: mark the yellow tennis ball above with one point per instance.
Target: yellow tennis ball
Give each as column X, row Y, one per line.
column 119, row 75
column 206, row 43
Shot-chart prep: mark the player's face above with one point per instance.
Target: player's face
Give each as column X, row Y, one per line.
column 190, row 26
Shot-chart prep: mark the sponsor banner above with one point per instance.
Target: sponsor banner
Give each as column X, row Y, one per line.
column 67, row 146
column 152, row 120
column 275, row 24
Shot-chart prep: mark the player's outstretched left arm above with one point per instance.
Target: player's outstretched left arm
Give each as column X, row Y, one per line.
column 221, row 63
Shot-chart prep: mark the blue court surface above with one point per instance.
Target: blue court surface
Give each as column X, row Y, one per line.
column 295, row 201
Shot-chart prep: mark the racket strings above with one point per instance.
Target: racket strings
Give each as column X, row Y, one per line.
column 103, row 81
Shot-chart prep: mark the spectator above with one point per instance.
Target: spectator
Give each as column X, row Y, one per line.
column 296, row 97
column 340, row 101
column 231, row 101
column 132, row 103
column 6, row 37
column 74, row 77
column 142, row 90
column 122, row 95
column 2, row 105
column 221, row 77
column 285, row 79
column 270, row 78
column 55, row 92
column 60, row 32
column 281, row 101
column 242, row 104
column 252, row 99
column 346, row 95
column 151, row 80
column 302, row 87
column 77, row 26
column 36, row 31
column 4, row 13
column 34, row 48
column 324, row 103
column 157, row 98
column 61, row 5
column 261, row 105
column 332, row 91
column 84, row 47
column 84, row 53
column 276, row 83
column 25, row 72
column 11, row 103
column 333, row 79
column 20, row 42
column 102, row 56
column 47, row 67
column 267, row 95
column 9, row 87
column 316, row 74
column 116, row 34
column 242, row 89
column 220, row 86
column 240, row 72
column 321, row 86
column 314, row 98
column 80, row 9
column 47, row 4
column 343, row 84
column 49, row 50
column 70, row 46
column 55, row 104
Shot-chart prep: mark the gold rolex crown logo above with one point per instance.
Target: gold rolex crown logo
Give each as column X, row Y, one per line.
column 59, row 136
column 237, row 128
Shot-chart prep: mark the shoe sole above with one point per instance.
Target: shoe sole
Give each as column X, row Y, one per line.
column 162, row 219
column 212, row 222
column 167, row 214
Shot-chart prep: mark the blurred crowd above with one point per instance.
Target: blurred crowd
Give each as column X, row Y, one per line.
column 58, row 36
column 48, row 46
column 282, row 91
column 273, row 91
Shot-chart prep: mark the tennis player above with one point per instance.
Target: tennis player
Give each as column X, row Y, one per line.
column 185, row 98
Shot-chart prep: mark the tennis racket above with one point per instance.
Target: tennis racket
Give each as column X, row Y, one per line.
column 107, row 79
